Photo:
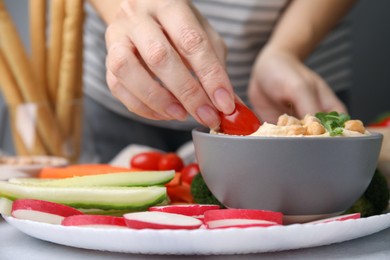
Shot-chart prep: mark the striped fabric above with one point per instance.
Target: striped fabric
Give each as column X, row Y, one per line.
column 245, row 26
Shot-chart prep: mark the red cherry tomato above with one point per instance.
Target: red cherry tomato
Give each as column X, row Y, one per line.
column 241, row 122
column 383, row 120
column 170, row 161
column 189, row 172
column 383, row 123
column 146, row 161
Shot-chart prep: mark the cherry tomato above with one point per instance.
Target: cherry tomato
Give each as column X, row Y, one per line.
column 189, row 172
column 146, row 160
column 383, row 120
column 241, row 122
column 383, row 123
column 170, row 161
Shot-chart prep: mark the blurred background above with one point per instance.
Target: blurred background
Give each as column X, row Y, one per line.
column 371, row 54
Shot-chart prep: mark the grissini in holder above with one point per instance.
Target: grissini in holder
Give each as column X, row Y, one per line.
column 69, row 78
column 37, row 15
column 57, row 16
column 13, row 98
column 77, row 127
column 19, row 64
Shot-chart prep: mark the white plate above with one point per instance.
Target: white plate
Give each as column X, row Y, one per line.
column 201, row 241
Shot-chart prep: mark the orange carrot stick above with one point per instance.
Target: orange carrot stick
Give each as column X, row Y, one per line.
column 78, row 170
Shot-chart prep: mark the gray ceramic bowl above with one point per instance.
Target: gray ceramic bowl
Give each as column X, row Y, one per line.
column 293, row 175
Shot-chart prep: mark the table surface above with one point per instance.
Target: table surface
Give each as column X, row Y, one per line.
column 17, row 245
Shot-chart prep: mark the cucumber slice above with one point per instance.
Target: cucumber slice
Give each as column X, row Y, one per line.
column 29, row 181
column 113, row 212
column 127, row 179
column 107, row 198
column 5, row 206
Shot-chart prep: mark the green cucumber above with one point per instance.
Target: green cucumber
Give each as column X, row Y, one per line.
column 106, row 198
column 112, row 212
column 5, row 206
column 29, row 181
column 125, row 179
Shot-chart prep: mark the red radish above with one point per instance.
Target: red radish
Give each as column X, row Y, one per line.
column 337, row 218
column 160, row 220
column 193, row 210
column 94, row 221
column 224, row 218
column 42, row 211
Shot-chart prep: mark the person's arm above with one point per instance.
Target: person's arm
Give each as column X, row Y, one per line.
column 280, row 82
column 305, row 23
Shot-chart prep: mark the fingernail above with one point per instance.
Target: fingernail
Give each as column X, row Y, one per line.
column 176, row 111
column 208, row 116
column 224, row 100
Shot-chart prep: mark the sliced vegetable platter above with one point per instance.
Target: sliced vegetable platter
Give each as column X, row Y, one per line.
column 202, row 241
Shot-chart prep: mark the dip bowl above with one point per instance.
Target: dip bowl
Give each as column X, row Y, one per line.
column 302, row 177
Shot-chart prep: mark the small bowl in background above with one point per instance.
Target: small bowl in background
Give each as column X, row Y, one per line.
column 306, row 177
column 27, row 166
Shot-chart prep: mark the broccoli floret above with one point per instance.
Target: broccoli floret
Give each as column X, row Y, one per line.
column 375, row 199
column 201, row 193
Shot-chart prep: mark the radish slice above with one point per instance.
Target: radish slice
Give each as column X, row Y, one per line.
column 242, row 218
column 239, row 223
column 160, row 220
column 42, row 211
column 100, row 221
column 193, row 210
column 337, row 218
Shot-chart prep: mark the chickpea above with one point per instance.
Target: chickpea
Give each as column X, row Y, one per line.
column 355, row 125
column 309, row 119
column 286, row 120
column 296, row 130
column 315, row 128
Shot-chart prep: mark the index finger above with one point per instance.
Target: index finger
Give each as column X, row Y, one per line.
column 192, row 43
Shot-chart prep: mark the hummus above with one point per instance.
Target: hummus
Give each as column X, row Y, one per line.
column 309, row 126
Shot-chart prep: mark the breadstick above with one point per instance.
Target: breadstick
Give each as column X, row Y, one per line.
column 37, row 11
column 57, row 15
column 13, row 99
column 77, row 126
column 17, row 59
column 69, row 74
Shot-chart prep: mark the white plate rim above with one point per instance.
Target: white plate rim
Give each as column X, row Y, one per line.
column 204, row 242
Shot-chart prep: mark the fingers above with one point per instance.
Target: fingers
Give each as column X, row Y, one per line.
column 329, row 100
column 267, row 108
column 152, row 53
column 193, row 44
column 131, row 102
column 162, row 59
column 216, row 40
column 305, row 98
column 129, row 80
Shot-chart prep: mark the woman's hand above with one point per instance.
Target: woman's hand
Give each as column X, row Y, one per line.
column 281, row 83
column 154, row 50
